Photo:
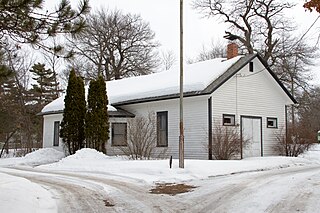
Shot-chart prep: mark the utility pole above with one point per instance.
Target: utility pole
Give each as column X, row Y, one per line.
column 181, row 138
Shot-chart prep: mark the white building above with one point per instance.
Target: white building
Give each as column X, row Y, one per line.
column 241, row 92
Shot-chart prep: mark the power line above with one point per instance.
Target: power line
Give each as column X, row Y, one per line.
column 315, row 21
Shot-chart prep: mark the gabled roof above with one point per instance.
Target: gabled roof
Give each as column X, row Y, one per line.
column 201, row 78
column 237, row 67
column 215, row 83
column 165, row 84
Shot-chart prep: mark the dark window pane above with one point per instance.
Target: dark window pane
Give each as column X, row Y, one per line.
column 228, row 120
column 251, row 66
column 56, row 133
column 119, row 134
column 162, row 129
column 272, row 123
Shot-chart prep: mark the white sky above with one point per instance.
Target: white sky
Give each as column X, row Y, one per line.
column 163, row 16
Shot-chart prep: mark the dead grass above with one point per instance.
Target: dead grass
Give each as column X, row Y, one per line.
column 171, row 188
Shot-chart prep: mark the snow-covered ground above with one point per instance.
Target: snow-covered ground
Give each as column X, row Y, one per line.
column 17, row 194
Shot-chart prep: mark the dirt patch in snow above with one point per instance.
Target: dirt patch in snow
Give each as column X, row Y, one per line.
column 108, row 203
column 171, row 188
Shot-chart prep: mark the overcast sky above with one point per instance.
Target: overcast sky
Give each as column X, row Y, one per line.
column 163, row 16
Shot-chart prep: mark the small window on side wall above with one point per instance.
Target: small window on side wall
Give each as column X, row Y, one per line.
column 119, row 134
column 272, row 123
column 228, row 120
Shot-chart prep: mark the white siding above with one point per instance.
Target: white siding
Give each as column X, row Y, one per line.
column 252, row 94
column 195, row 124
column 48, row 130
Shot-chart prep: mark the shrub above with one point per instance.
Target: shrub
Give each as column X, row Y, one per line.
column 294, row 142
column 142, row 139
column 226, row 142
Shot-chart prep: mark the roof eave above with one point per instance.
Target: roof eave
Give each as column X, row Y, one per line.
column 158, row 98
column 120, row 113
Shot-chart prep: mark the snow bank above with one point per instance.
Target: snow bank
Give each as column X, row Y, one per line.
column 21, row 195
column 313, row 154
column 38, row 157
column 86, row 154
column 87, row 160
column 90, row 158
column 149, row 171
column 43, row 156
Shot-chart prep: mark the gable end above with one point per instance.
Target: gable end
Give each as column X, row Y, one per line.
column 237, row 67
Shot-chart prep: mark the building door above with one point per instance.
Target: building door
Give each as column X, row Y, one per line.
column 251, row 131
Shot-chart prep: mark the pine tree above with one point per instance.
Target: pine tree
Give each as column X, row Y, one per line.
column 97, row 119
column 26, row 21
column 72, row 125
column 47, row 87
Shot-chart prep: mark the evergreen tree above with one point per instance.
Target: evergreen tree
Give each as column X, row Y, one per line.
column 97, row 119
column 72, row 125
column 46, row 89
column 26, row 21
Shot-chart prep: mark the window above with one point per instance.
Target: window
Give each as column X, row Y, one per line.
column 251, row 67
column 162, row 129
column 228, row 120
column 56, row 131
column 272, row 123
column 119, row 134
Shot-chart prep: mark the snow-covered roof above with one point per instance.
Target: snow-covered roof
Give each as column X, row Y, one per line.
column 196, row 78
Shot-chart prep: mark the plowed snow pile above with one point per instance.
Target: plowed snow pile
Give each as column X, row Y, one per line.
column 86, row 158
column 43, row 156
column 87, row 154
column 38, row 157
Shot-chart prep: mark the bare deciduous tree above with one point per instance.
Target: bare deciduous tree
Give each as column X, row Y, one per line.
column 216, row 49
column 293, row 62
column 118, row 45
column 54, row 62
column 256, row 24
column 309, row 111
column 24, row 127
column 168, row 59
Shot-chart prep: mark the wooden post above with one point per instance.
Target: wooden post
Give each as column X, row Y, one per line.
column 181, row 138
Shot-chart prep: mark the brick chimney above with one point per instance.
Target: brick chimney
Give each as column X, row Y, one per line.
column 232, row 50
